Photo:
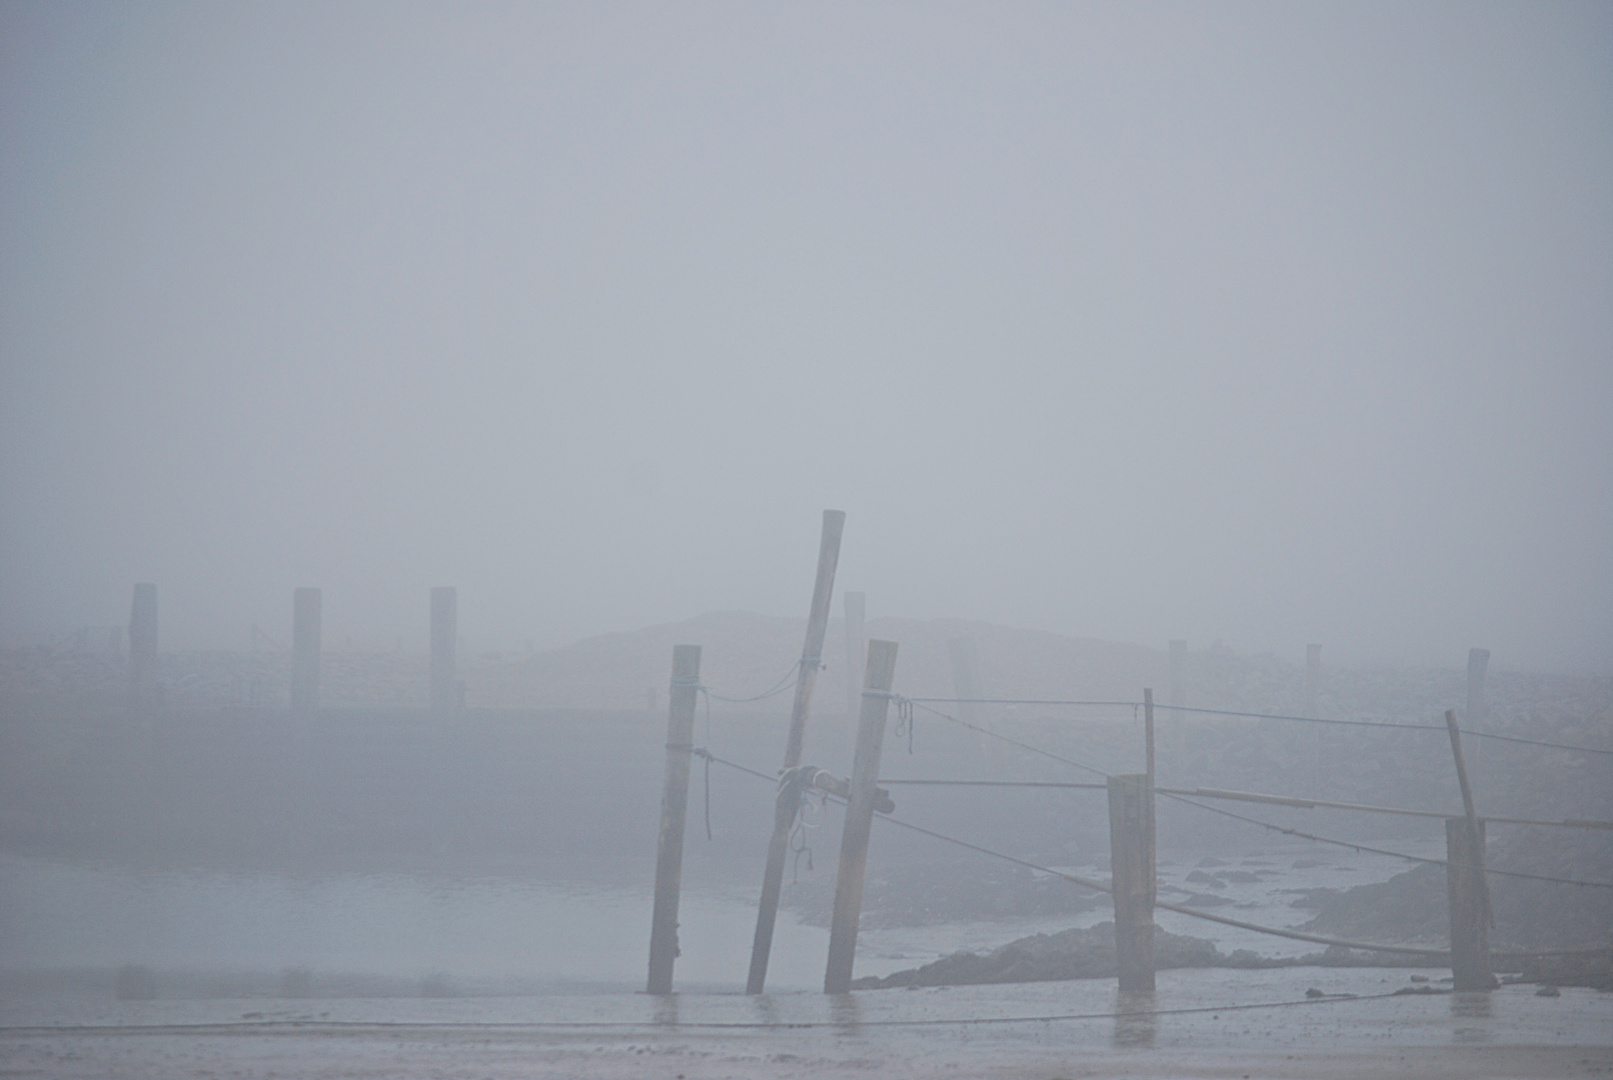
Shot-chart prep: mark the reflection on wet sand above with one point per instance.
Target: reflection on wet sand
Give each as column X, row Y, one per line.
column 1134, row 1018
column 1471, row 1006
column 845, row 1014
column 666, row 1010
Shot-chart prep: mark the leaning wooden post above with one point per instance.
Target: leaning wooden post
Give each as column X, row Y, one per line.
column 876, row 698
column 834, row 523
column 444, row 638
column 674, row 807
column 1131, row 862
column 143, row 647
column 1467, row 886
column 305, row 620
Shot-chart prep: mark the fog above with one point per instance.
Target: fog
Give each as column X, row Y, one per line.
column 1257, row 358
column 1266, row 323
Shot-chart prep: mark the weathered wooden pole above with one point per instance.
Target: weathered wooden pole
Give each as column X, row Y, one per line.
column 444, row 638
column 674, row 809
column 834, row 523
column 876, row 698
column 1467, row 885
column 305, row 628
column 143, row 647
column 856, row 614
column 1131, row 863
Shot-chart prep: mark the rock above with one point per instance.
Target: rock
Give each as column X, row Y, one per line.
column 1548, row 991
column 1069, row 954
column 1206, row 900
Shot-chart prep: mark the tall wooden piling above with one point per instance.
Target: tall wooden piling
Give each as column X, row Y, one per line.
column 1466, row 888
column 444, row 639
column 305, row 632
column 143, row 647
column 1131, row 862
column 1466, row 882
column 859, row 816
column 834, row 524
column 856, row 613
column 674, row 809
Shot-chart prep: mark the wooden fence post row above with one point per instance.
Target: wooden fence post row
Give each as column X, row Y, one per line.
column 876, row 699
column 674, row 809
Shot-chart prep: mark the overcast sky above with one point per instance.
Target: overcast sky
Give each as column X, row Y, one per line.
column 1267, row 323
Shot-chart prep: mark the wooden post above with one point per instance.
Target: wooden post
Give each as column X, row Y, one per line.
column 444, row 638
column 1466, row 887
column 674, row 808
column 1148, row 731
column 305, row 620
column 1475, row 826
column 143, row 647
column 859, row 816
column 834, row 523
column 856, row 614
column 1131, row 862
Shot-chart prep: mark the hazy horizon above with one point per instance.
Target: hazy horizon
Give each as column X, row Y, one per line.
column 1261, row 323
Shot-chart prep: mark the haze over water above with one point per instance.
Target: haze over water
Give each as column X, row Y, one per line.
column 1261, row 323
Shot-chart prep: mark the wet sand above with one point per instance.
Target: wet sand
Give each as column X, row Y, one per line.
column 1198, row 1024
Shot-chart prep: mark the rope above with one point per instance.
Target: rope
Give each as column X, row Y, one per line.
column 1015, row 701
column 1099, row 886
column 1269, row 716
column 999, row 783
column 1378, row 851
column 1006, row 739
column 1469, row 732
column 301, row 1026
